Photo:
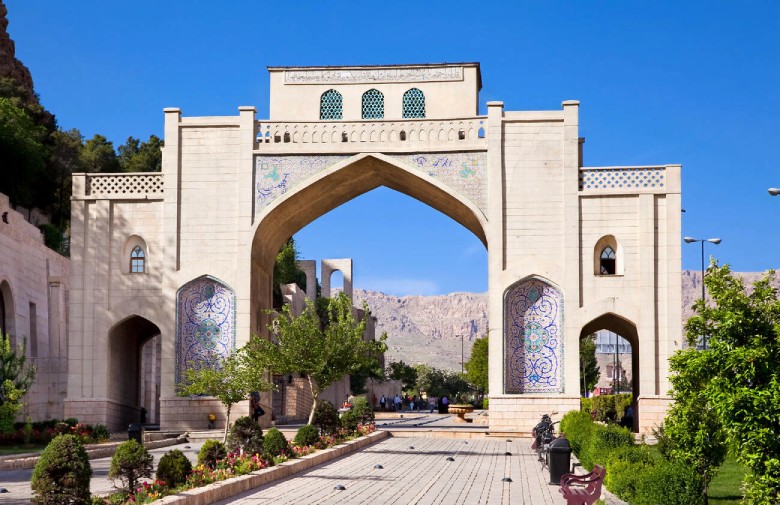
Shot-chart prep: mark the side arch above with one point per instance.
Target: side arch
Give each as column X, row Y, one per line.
column 533, row 337
column 7, row 311
column 627, row 329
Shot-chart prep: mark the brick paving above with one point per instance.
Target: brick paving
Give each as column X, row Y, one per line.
column 422, row 475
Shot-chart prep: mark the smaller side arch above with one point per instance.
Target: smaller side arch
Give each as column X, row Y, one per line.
column 7, row 311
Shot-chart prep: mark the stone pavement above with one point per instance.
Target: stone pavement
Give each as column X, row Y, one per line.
column 420, row 475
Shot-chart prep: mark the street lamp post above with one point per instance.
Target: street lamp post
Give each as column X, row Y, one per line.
column 716, row 241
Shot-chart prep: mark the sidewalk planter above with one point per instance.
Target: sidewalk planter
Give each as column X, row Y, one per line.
column 228, row 488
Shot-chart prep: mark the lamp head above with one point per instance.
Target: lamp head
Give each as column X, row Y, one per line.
column 714, row 240
column 774, row 191
column 690, row 239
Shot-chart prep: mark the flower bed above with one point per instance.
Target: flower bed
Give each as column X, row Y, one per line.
column 234, row 465
column 43, row 432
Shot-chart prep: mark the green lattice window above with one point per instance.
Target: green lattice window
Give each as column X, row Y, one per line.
column 373, row 104
column 414, row 104
column 330, row 105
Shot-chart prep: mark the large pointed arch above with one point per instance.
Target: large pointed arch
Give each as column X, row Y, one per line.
column 623, row 326
column 333, row 187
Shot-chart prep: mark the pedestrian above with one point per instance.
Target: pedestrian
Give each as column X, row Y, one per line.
column 382, row 403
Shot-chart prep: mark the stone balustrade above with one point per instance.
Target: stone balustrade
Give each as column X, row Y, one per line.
column 640, row 179
column 378, row 136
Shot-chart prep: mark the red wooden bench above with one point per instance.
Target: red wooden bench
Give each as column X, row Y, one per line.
column 583, row 489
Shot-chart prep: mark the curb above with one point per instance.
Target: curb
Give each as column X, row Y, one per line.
column 237, row 485
column 94, row 451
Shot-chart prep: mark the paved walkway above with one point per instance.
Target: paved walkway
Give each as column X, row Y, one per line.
column 416, row 471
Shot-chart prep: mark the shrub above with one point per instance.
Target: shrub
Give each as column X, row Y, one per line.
column 671, row 484
column 360, row 413
column 211, row 452
column 485, row 403
column 246, row 436
column 623, row 478
column 577, row 427
column 173, row 468
column 307, row 435
column 62, row 473
column 130, row 462
column 326, row 418
column 100, row 433
column 274, row 443
column 586, row 404
column 602, row 441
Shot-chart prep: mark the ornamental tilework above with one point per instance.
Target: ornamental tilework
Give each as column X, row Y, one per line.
column 464, row 172
column 205, row 325
column 276, row 175
column 533, row 342
column 622, row 178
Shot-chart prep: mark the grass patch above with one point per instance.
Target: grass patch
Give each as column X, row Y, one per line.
column 725, row 488
column 10, row 450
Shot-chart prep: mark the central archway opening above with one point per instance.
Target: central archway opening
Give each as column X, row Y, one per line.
column 368, row 210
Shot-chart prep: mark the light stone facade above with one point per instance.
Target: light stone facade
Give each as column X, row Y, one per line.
column 33, row 305
column 234, row 188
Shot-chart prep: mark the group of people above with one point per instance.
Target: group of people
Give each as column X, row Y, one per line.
column 399, row 403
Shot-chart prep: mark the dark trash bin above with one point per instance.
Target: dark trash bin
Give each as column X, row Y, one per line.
column 135, row 432
column 559, row 459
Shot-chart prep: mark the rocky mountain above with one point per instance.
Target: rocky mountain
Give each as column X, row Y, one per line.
column 10, row 67
column 428, row 329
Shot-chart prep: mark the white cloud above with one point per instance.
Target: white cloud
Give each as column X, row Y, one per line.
column 400, row 287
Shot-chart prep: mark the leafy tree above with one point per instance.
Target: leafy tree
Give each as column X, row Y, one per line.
column 22, row 152
column 324, row 354
column 437, row 382
column 589, row 368
column 137, row 156
column 477, row 365
column 400, row 371
column 16, row 377
column 286, row 270
column 98, row 155
column 738, row 375
column 233, row 381
column 64, row 161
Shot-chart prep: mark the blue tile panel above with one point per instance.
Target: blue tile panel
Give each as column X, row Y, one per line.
column 533, row 339
column 205, row 325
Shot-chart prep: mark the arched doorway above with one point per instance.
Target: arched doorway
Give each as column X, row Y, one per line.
column 620, row 329
column 7, row 312
column 134, row 372
column 333, row 187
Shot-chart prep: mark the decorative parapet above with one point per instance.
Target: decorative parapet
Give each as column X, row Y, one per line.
column 134, row 186
column 459, row 134
column 613, row 180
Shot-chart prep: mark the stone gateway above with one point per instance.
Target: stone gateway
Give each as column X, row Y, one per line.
column 176, row 267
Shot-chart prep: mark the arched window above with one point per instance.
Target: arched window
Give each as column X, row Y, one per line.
column 373, row 104
column 137, row 260
column 414, row 104
column 330, row 105
column 607, row 261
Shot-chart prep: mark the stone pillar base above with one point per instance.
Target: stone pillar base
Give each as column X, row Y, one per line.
column 520, row 413
column 192, row 413
column 651, row 411
column 114, row 415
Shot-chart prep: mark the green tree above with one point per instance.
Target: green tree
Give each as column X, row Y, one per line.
column 324, row 354
column 137, row 156
column 16, row 377
column 98, row 155
column 64, row 161
column 589, row 368
column 232, row 381
column 286, row 270
column 22, row 152
column 738, row 375
column 130, row 462
column 477, row 365
column 406, row 374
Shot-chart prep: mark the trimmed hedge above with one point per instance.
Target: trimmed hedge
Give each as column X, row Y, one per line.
column 275, row 443
column 211, row 452
column 62, row 473
column 246, row 435
column 326, row 417
column 173, row 468
column 307, row 435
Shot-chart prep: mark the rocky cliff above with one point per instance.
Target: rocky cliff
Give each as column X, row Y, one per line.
column 428, row 329
column 10, row 67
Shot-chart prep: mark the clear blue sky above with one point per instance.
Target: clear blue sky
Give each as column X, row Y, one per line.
column 695, row 83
